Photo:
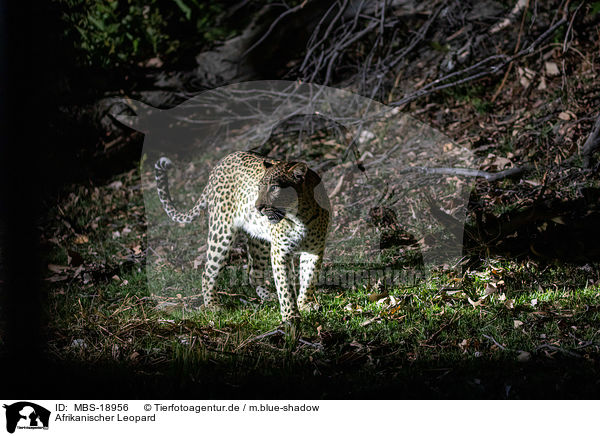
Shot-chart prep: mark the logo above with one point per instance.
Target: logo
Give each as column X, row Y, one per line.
column 26, row 415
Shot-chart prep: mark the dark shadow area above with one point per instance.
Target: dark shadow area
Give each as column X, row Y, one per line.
column 557, row 379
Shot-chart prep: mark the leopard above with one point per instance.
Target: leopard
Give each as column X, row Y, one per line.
column 283, row 208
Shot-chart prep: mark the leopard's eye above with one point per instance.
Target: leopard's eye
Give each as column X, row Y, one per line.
column 273, row 188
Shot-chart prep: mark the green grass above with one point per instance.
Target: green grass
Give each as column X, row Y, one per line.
column 106, row 311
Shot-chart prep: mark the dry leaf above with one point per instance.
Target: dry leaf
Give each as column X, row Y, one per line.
column 526, row 76
column 517, row 323
column 542, row 85
column 365, row 136
column 81, row 239
column 552, row 69
column 564, row 116
column 134, row 355
column 475, row 303
column 352, row 308
column 377, row 296
column 524, row 356
column 78, row 271
column 490, row 289
column 370, row 321
column 57, row 278
column 57, row 268
column 154, row 62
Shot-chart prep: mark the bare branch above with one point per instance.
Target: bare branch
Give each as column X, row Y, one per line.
column 516, row 10
column 272, row 26
column 495, row 342
column 506, row 60
column 469, row 172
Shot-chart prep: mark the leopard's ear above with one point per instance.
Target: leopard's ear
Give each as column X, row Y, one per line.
column 298, row 171
column 267, row 164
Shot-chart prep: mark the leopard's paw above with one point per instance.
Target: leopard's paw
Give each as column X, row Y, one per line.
column 309, row 306
column 213, row 307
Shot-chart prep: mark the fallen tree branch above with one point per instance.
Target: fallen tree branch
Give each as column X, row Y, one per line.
column 469, row 172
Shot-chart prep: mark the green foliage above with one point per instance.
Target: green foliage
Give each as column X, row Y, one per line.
column 439, row 47
column 116, row 32
column 482, row 106
column 472, row 94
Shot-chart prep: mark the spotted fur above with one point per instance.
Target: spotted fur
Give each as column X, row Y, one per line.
column 284, row 209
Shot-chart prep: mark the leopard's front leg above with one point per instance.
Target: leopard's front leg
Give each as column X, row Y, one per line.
column 281, row 262
column 310, row 264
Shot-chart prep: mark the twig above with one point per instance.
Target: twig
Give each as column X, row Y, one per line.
column 418, row 37
column 272, row 26
column 325, row 35
column 338, row 187
column 555, row 348
column 310, row 344
column 502, row 347
column 442, row 328
column 569, row 29
column 517, row 46
column 259, row 337
column 521, row 4
column 586, row 344
column 506, row 60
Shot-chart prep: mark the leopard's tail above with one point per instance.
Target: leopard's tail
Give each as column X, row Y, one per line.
column 162, row 185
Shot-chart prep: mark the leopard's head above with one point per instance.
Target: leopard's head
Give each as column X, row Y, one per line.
column 279, row 189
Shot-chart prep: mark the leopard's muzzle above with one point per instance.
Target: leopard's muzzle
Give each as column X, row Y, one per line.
column 273, row 214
